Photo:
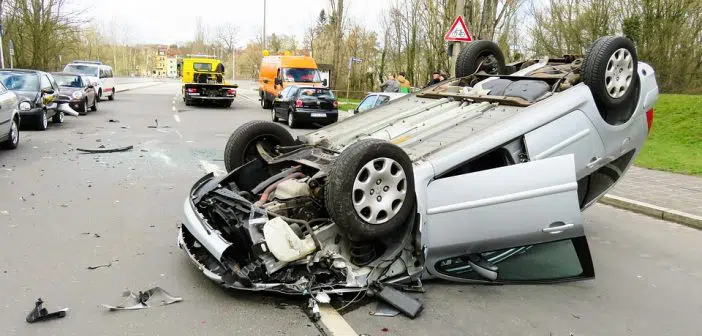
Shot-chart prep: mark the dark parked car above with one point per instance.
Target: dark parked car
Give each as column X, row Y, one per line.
column 78, row 90
column 303, row 104
column 37, row 93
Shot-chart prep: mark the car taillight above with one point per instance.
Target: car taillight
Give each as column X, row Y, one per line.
column 231, row 92
column 335, row 104
column 298, row 103
column 191, row 90
column 649, row 119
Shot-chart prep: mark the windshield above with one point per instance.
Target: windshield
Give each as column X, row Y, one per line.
column 67, row 80
column 202, row 66
column 16, row 81
column 317, row 93
column 88, row 70
column 301, row 75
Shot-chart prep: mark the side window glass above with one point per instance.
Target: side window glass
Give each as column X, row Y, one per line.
column 3, row 89
column 109, row 73
column 284, row 93
column 45, row 83
column 291, row 93
column 367, row 103
column 53, row 82
column 382, row 100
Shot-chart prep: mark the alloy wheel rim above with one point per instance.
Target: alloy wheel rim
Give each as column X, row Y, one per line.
column 619, row 73
column 44, row 120
column 290, row 119
column 61, row 115
column 14, row 132
column 379, row 190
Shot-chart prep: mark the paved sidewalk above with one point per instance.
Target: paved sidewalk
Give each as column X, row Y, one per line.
column 663, row 189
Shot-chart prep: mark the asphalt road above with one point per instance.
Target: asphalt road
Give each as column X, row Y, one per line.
column 62, row 211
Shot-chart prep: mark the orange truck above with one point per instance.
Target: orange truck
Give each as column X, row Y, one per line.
column 278, row 72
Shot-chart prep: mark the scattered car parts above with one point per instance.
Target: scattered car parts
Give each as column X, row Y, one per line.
column 133, row 301
column 106, row 150
column 39, row 313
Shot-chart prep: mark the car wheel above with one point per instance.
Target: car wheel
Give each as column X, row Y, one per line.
column 480, row 55
column 291, row 119
column 241, row 146
column 370, row 189
column 265, row 103
column 274, row 117
column 95, row 103
column 112, row 96
column 99, row 94
column 42, row 121
column 84, row 107
column 13, row 138
column 58, row 117
column 610, row 69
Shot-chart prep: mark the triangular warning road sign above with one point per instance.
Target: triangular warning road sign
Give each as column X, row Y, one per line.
column 458, row 31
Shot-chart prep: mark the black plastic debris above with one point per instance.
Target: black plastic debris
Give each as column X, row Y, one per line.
column 106, row 150
column 103, row 265
column 39, row 313
column 133, row 301
column 406, row 304
column 113, row 120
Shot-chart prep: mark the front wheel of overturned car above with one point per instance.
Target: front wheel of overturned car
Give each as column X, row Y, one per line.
column 480, row 55
column 370, row 189
column 242, row 144
column 610, row 69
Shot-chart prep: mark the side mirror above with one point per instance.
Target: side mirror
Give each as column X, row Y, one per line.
column 265, row 81
column 324, row 82
column 47, row 91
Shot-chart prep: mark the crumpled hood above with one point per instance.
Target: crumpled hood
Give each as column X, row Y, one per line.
column 26, row 95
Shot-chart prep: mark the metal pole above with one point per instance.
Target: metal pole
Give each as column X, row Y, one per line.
column 460, row 10
column 233, row 63
column 348, row 82
column 264, row 24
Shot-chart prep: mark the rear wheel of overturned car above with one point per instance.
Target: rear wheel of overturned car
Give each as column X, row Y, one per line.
column 242, row 144
column 610, row 69
column 370, row 189
column 480, row 55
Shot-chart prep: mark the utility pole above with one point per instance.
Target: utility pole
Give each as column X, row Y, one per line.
column 2, row 32
column 264, row 24
column 460, row 10
column 233, row 63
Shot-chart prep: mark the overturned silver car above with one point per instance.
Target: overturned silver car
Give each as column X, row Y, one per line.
column 482, row 178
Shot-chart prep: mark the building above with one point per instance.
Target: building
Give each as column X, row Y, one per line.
column 161, row 65
column 171, row 67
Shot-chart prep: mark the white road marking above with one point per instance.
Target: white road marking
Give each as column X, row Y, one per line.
column 334, row 321
column 174, row 109
column 179, row 135
column 247, row 98
column 176, row 117
column 211, row 168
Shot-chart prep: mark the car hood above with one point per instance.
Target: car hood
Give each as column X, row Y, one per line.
column 26, row 95
column 68, row 90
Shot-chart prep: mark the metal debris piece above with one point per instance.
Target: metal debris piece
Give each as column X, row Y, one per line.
column 103, row 265
column 106, row 150
column 133, row 301
column 39, row 313
column 384, row 309
column 113, row 120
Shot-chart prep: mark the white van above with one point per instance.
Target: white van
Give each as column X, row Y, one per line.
column 98, row 73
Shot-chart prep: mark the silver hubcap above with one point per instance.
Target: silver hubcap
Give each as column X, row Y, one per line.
column 14, row 132
column 379, row 190
column 290, row 119
column 44, row 120
column 61, row 115
column 272, row 114
column 619, row 73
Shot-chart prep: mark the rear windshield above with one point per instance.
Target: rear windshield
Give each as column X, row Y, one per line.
column 202, row 66
column 88, row 70
column 16, row 81
column 317, row 93
column 301, row 75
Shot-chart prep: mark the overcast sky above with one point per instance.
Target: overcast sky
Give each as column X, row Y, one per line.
column 173, row 21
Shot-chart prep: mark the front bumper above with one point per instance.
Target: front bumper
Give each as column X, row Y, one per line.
column 37, row 111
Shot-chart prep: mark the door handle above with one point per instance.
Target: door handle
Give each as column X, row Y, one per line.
column 557, row 227
column 594, row 162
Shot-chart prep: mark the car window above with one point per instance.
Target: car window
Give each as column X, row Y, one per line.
column 284, row 93
column 45, row 82
column 317, row 93
column 202, row 66
column 83, row 69
column 53, row 82
column 301, row 75
column 3, row 89
column 367, row 103
column 292, row 92
column 16, row 81
column 382, row 99
column 68, row 80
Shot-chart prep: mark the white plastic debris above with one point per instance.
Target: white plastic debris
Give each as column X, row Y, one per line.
column 284, row 243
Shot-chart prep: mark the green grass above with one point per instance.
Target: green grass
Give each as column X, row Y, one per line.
column 675, row 141
column 348, row 104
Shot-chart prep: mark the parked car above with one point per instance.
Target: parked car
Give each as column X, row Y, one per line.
column 79, row 90
column 481, row 179
column 305, row 104
column 97, row 72
column 374, row 99
column 9, row 119
column 37, row 93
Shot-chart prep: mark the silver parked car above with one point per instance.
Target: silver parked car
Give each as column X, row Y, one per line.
column 481, row 178
column 374, row 99
column 9, row 119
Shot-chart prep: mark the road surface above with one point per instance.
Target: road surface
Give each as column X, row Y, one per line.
column 62, row 211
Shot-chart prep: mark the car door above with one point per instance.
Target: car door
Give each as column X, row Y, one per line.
column 279, row 101
column 88, row 91
column 289, row 100
column 515, row 224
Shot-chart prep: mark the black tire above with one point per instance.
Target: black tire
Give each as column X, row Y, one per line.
column 241, row 146
column 339, row 191
column 112, row 96
column 58, row 117
column 187, row 102
column 292, row 123
column 99, row 94
column 617, row 103
column 84, row 107
column 473, row 53
column 274, row 118
column 265, row 103
column 13, row 137
column 94, row 108
column 41, row 122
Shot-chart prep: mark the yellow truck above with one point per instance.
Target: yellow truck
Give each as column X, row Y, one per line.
column 203, row 81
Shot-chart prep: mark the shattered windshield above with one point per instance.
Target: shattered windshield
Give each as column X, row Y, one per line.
column 20, row 81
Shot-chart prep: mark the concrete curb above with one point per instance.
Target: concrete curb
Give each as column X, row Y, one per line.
column 655, row 211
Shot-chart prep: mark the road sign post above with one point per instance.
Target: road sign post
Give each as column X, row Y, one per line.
column 456, row 34
column 348, row 82
column 11, row 47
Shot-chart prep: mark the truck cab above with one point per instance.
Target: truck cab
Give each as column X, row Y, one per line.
column 279, row 72
column 203, row 81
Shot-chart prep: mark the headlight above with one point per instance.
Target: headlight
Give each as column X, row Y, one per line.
column 25, row 106
column 77, row 94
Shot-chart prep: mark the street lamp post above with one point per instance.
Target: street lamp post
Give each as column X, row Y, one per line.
column 264, row 24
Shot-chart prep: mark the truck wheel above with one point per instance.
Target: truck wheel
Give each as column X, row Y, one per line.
column 485, row 54
column 241, row 146
column 610, row 70
column 265, row 103
column 370, row 189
